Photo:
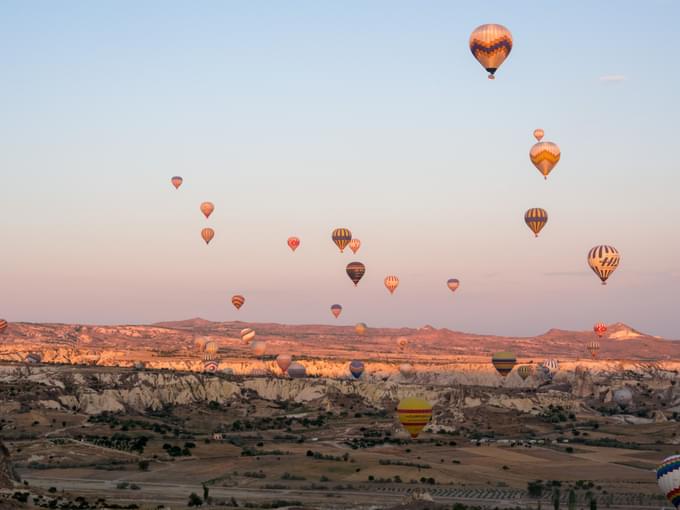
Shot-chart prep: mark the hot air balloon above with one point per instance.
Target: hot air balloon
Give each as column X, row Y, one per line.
column 623, row 397
column 259, row 348
column 525, row 371
column 341, row 237
column 297, row 371
column 356, row 368
column 668, row 478
column 593, row 347
column 3, row 326
column 551, row 365
column 33, row 358
column 538, row 134
column 200, row 343
column 210, row 365
column 354, row 245
column 176, row 181
column 453, row 284
column 284, row 361
column 361, row 328
column 536, row 218
column 293, row 243
column 406, row 369
column 504, row 362
column 391, row 282
column 247, row 335
column 544, row 156
column 491, row 44
column 211, row 347
column 237, row 300
column 402, row 342
column 207, row 234
column 414, row 413
column 207, row 209
column 355, row 271
column 336, row 310
column 603, row 260
column 600, row 329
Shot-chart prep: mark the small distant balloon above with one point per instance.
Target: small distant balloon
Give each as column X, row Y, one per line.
column 210, row 365
column 603, row 260
column 293, row 243
column 593, row 347
column 504, row 362
column 600, row 329
column 354, row 245
column 402, row 342
column 3, row 326
column 211, row 347
column 297, row 371
column 284, row 361
column 336, row 310
column 391, row 282
column 207, row 209
column 355, row 271
column 176, row 181
column 238, row 300
column 414, row 413
column 545, row 156
column 361, row 328
column 207, row 234
column 453, row 284
column 406, row 369
column 538, row 134
column 247, row 335
column 490, row 45
column 536, row 218
column 259, row 348
column 341, row 237
column 525, row 371
column 356, row 368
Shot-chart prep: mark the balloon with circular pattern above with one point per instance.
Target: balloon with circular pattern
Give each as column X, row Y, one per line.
column 293, row 243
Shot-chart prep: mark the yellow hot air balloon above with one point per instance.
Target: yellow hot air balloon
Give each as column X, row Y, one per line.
column 247, row 335
column 391, row 282
column 544, row 156
column 603, row 260
column 354, row 245
column 238, row 300
column 538, row 134
column 176, row 181
column 414, row 413
column 341, row 237
column 491, row 44
column 536, row 218
column 207, row 234
column 200, row 343
column 207, row 209
column 504, row 362
column 525, row 371
column 361, row 328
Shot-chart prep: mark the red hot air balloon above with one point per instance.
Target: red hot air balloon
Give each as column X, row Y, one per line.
column 293, row 243
column 207, row 209
column 176, row 181
column 3, row 326
column 600, row 329
column 238, row 300
column 284, row 361
column 354, row 245
column 336, row 310
column 207, row 234
column 391, row 282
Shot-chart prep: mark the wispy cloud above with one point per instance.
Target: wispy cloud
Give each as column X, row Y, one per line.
column 609, row 78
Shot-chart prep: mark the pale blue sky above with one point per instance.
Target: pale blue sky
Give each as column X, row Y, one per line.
column 298, row 117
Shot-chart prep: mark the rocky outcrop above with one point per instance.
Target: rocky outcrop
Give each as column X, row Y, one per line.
column 8, row 476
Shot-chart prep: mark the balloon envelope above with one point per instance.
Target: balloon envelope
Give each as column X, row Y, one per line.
column 402, row 342
column 336, row 310
column 414, row 413
column 297, row 371
column 538, row 134
column 355, row 271
column 3, row 326
column 504, row 362
column 603, row 260
column 293, row 243
column 341, row 237
column 207, row 209
column 237, row 300
column 207, row 234
column 356, row 368
column 545, row 156
column 361, row 328
column 247, row 335
column 593, row 347
column 391, row 282
column 453, row 284
column 354, row 245
column 210, row 365
column 525, row 371
column 259, row 348
column 668, row 478
column 600, row 329
column 491, row 44
column 176, row 181
column 284, row 361
column 536, row 218
column 623, row 397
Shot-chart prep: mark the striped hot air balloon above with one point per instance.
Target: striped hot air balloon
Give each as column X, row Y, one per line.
column 200, row 343
column 354, row 245
column 414, row 413
column 356, row 368
column 355, row 271
column 406, row 369
column 210, row 365
column 211, row 347
column 551, row 365
column 176, row 181
column 668, row 478
column 593, row 347
column 391, row 282
column 491, row 44
column 603, row 260
column 525, row 371
column 361, row 328
column 293, row 243
column 297, row 371
column 207, row 234
column 284, row 361
column 336, row 310
column 538, row 134
column 453, row 284
column 544, row 156
column 247, row 335
column 237, row 300
column 341, row 237
column 600, row 329
column 536, row 218
column 3, row 326
column 504, row 362
column 207, row 209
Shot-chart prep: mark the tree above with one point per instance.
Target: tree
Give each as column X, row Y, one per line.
column 571, row 503
column 556, row 498
column 143, row 465
column 535, row 489
column 194, row 500
column 593, row 504
column 206, row 493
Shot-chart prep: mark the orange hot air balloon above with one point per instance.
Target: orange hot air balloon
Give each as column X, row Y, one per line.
column 354, row 245
column 259, row 348
column 539, row 134
column 361, row 328
column 238, row 300
column 491, row 44
column 207, row 209
column 176, row 181
column 414, row 413
column 207, row 234
column 391, row 282
column 355, row 271
column 545, row 156
column 402, row 342
column 336, row 310
column 341, row 237
column 293, row 243
column 284, row 361
column 3, row 326
column 600, row 329
column 453, row 284
column 247, row 335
